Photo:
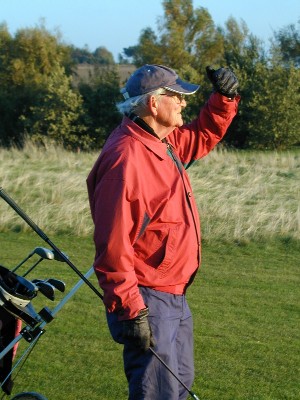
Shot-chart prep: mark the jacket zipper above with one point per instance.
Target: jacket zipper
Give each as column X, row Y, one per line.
column 187, row 193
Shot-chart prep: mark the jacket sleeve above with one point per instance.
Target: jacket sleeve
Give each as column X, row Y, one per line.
column 196, row 139
column 116, row 213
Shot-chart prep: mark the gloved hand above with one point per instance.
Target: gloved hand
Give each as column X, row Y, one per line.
column 138, row 330
column 224, row 81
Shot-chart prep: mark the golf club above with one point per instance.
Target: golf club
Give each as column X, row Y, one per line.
column 59, row 285
column 48, row 254
column 41, row 251
column 45, row 254
column 48, row 286
column 45, row 288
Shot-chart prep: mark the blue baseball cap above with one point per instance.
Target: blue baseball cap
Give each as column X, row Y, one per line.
column 152, row 77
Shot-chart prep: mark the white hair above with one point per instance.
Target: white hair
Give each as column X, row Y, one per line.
column 136, row 103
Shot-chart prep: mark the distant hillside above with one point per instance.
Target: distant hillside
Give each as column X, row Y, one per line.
column 84, row 72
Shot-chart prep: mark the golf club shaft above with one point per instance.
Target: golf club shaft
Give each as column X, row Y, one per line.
column 175, row 376
column 36, row 229
column 22, row 262
column 32, row 267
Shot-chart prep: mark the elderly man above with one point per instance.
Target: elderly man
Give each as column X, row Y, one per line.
column 147, row 230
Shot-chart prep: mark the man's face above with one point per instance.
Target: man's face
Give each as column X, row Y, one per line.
column 169, row 110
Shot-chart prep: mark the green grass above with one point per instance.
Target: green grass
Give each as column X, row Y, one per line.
column 245, row 299
column 245, row 302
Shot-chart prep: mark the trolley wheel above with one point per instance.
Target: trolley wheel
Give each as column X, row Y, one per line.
column 29, row 396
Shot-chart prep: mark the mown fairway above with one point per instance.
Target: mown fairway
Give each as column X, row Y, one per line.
column 245, row 299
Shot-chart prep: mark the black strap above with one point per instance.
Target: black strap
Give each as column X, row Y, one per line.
column 140, row 122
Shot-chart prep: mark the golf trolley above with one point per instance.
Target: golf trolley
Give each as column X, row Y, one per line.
column 16, row 306
column 17, row 294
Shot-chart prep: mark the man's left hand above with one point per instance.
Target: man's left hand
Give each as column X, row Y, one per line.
column 138, row 330
column 224, row 81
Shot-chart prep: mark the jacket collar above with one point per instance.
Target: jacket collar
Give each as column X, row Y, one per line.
column 153, row 143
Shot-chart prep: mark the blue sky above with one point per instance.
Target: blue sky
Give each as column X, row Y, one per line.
column 116, row 24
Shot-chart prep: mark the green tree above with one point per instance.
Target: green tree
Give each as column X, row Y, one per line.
column 187, row 37
column 81, row 56
column 34, row 54
column 242, row 50
column 286, row 44
column 176, row 32
column 268, row 115
column 35, row 93
column 148, row 51
column 56, row 116
column 103, row 57
column 100, row 96
column 6, row 106
column 274, row 119
column 244, row 53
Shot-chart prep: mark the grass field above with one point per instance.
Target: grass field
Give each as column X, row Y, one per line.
column 245, row 299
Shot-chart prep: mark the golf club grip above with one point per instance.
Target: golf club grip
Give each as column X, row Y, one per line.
column 36, row 229
column 22, row 214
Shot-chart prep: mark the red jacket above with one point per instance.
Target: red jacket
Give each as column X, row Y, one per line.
column 147, row 229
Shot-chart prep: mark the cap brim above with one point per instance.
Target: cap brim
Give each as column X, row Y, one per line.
column 183, row 87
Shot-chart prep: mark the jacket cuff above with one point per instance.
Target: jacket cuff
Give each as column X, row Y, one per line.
column 131, row 310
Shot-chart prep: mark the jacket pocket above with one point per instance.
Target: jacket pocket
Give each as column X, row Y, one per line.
column 170, row 249
column 157, row 248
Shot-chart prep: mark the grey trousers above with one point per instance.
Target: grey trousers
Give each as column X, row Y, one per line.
column 172, row 328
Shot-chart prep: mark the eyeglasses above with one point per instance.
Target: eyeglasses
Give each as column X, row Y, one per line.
column 178, row 97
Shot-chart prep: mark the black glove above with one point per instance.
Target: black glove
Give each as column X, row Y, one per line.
column 138, row 330
column 224, row 81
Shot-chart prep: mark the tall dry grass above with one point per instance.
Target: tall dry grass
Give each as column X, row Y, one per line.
column 49, row 185
column 248, row 195
column 241, row 195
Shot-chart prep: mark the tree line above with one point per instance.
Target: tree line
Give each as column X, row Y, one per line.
column 39, row 100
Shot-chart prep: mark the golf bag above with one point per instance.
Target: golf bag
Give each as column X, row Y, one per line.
column 9, row 328
column 15, row 296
